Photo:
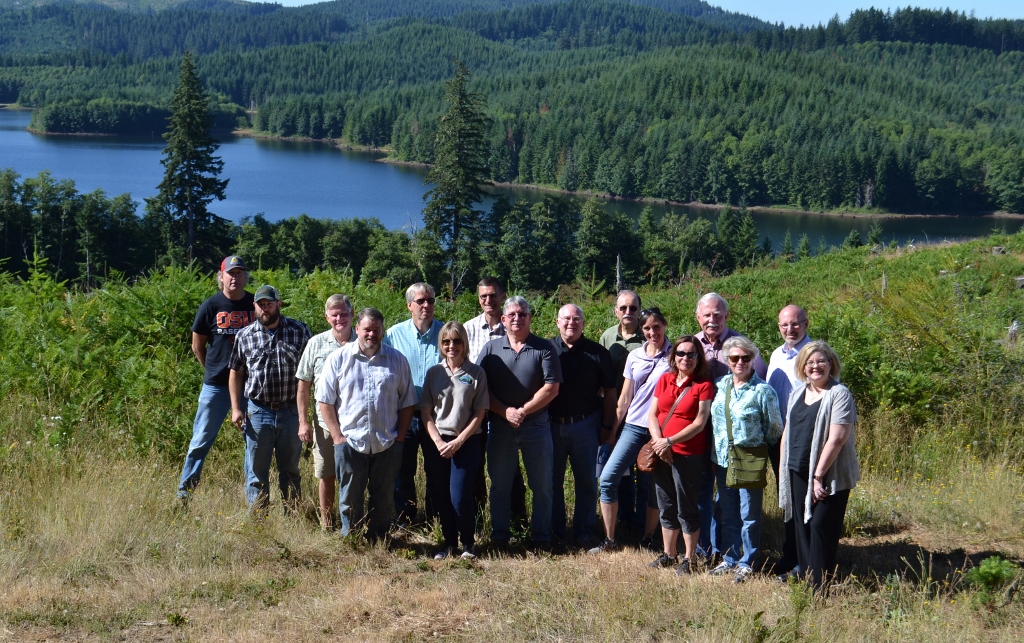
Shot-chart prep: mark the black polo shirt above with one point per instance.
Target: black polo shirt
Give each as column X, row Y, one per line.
column 514, row 377
column 586, row 369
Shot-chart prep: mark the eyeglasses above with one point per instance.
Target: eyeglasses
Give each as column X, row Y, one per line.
column 424, row 300
column 628, row 309
column 817, row 363
column 516, row 314
column 577, row 320
column 454, row 341
column 746, row 359
column 687, row 354
column 796, row 324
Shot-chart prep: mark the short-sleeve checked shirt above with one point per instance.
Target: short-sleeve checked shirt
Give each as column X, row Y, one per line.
column 480, row 332
column 367, row 393
column 312, row 363
column 754, row 408
column 269, row 359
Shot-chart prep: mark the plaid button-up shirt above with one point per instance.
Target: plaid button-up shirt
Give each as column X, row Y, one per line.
column 269, row 359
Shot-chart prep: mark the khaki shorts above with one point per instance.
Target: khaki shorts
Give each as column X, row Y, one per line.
column 323, row 453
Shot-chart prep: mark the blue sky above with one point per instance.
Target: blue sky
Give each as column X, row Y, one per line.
column 795, row 12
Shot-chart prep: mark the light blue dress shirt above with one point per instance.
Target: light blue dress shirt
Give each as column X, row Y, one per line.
column 419, row 348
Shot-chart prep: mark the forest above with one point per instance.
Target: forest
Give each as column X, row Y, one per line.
column 912, row 111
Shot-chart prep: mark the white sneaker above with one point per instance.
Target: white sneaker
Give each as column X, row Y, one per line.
column 741, row 573
column 722, row 569
column 468, row 555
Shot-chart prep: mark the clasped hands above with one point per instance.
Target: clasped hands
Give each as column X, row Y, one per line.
column 515, row 416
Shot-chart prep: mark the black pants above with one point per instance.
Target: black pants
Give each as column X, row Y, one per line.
column 678, row 485
column 788, row 559
column 818, row 539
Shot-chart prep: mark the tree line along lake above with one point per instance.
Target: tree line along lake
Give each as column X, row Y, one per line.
column 285, row 178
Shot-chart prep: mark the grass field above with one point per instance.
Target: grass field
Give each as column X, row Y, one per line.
column 97, row 395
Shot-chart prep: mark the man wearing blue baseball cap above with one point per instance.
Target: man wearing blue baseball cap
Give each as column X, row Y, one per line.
column 220, row 317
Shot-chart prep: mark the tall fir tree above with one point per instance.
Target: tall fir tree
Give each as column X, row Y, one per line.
column 191, row 175
column 459, row 174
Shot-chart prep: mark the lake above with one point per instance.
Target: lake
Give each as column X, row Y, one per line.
column 286, row 178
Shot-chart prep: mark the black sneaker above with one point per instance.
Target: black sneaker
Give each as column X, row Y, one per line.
column 607, row 545
column 662, row 561
column 683, row 568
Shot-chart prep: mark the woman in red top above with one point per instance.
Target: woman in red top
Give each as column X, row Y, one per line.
column 683, row 436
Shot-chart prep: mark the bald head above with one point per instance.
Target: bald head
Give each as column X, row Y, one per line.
column 793, row 324
column 570, row 323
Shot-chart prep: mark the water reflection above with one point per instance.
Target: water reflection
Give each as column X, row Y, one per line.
column 287, row 178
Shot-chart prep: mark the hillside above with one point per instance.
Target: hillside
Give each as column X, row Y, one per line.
column 912, row 111
column 96, row 410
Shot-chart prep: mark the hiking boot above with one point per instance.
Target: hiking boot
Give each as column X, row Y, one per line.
column 683, row 568
column 661, row 561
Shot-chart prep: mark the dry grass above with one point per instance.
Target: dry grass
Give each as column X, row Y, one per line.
column 94, row 548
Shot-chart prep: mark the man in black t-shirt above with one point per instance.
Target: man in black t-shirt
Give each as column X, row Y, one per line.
column 213, row 333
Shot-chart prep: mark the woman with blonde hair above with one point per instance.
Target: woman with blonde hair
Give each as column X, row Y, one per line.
column 818, row 464
column 453, row 405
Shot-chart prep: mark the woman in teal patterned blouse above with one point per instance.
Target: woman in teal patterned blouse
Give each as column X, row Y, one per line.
column 756, row 421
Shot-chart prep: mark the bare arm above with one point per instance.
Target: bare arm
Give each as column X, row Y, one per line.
column 838, row 434
column 541, row 398
column 199, row 343
column 621, row 408
column 302, row 401
column 236, row 386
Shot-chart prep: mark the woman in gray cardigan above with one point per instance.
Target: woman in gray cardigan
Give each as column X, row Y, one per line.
column 819, row 459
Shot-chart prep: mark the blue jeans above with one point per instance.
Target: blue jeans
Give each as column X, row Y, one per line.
column 503, row 446
column 405, row 485
column 739, row 526
column 269, row 431
column 214, row 406
column 454, row 479
column 576, row 443
column 623, row 457
column 358, row 472
column 633, row 491
column 707, row 544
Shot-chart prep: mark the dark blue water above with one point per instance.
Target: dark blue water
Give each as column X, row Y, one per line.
column 286, row 178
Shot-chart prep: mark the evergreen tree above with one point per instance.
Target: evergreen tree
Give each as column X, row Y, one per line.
column 745, row 247
column 803, row 247
column 191, row 171
column 787, row 247
column 459, row 172
column 875, row 234
column 852, row 240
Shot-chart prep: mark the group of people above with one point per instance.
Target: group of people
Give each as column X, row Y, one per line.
column 481, row 394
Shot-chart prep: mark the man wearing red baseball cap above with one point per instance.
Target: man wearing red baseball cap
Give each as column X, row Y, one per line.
column 213, row 333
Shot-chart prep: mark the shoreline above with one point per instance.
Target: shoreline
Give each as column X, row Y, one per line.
column 380, row 155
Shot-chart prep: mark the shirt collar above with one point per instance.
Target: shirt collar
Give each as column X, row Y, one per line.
column 792, row 352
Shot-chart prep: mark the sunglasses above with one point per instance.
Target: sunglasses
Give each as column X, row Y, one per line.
column 424, row 300
column 628, row 309
column 746, row 359
column 647, row 312
column 454, row 341
column 687, row 354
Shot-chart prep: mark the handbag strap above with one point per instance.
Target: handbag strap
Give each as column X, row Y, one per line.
column 673, row 409
column 728, row 414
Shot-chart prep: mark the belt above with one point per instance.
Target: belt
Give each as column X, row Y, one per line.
column 572, row 419
column 274, row 406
